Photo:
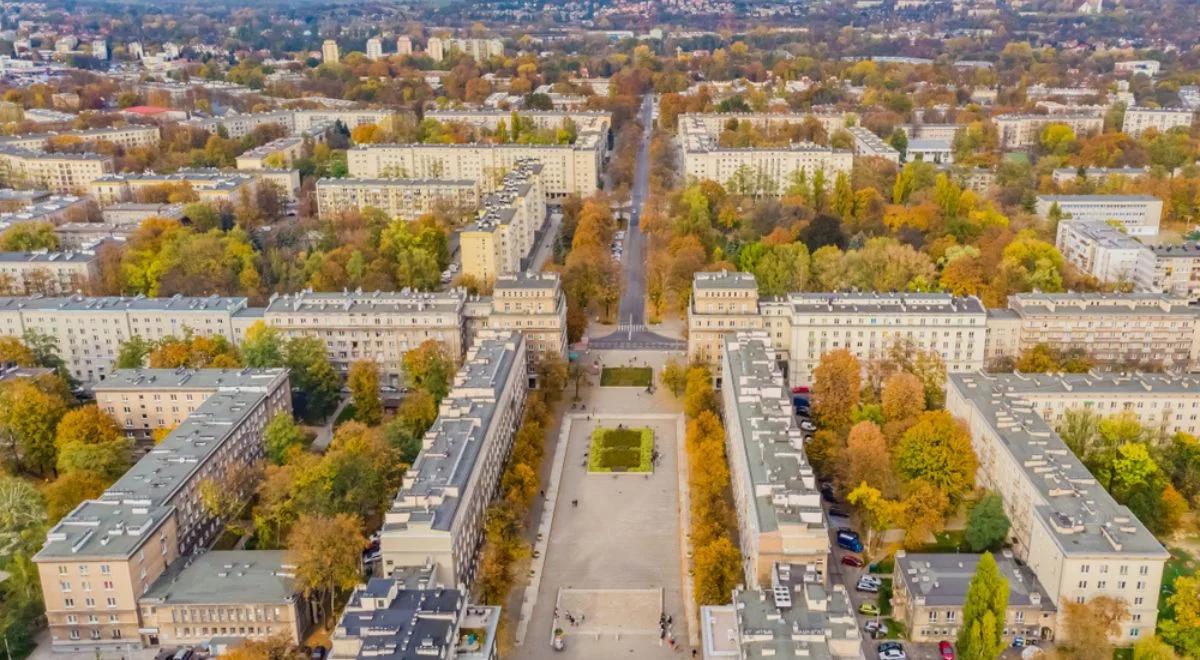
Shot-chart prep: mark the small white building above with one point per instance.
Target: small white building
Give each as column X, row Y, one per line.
column 1139, row 215
column 1100, row 249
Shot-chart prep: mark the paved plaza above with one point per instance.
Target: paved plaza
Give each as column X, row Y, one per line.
column 613, row 555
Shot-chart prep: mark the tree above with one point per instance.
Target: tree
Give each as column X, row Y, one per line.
column 1088, row 628
column 416, row 414
column 981, row 636
column 194, row 352
column 881, row 513
column 263, row 346
column 276, row 647
column 88, row 439
column 430, row 368
column 22, row 511
column 903, row 396
column 1182, row 628
column 363, row 381
column 1153, row 648
column 718, row 568
column 14, row 351
column 324, row 568
column 68, row 490
column 28, row 419
column 29, row 236
column 281, row 435
column 835, row 390
column 698, row 395
column 867, row 458
column 674, row 377
column 988, row 525
column 937, row 449
column 312, row 374
column 133, row 352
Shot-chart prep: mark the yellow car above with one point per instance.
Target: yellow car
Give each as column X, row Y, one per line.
column 869, row 609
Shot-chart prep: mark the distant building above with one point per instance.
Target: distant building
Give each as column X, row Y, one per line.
column 1139, row 120
column 500, row 241
column 100, row 49
column 398, row 198
column 1020, row 131
column 46, row 273
column 1100, row 249
column 1146, row 67
column 1138, row 215
column 404, row 45
column 869, row 145
column 374, row 48
column 1064, row 175
column 329, row 52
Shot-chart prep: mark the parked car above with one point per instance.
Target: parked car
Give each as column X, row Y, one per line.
column 827, row 492
column 852, row 560
column 800, row 389
column 318, row 653
column 868, row 587
column 876, row 628
column 870, row 609
column 806, row 425
column 184, row 653
column 848, row 540
column 946, row 649
column 837, row 512
column 892, row 651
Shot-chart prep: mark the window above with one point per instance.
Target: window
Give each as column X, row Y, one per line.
column 1139, row 600
column 68, row 602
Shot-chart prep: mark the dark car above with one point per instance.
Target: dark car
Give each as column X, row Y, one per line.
column 318, row 653
column 852, row 560
column 827, row 492
column 837, row 512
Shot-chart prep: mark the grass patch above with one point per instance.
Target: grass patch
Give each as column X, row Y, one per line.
column 227, row 540
column 621, row 450
column 885, row 597
column 1181, row 564
column 347, row 415
column 895, row 629
column 626, row 377
column 951, row 540
column 885, row 566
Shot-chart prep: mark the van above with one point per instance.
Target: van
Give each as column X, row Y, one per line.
column 849, row 541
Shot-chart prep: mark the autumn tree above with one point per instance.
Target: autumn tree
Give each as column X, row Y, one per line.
column 276, row 647
column 902, row 397
column 194, row 352
column 262, row 346
column 698, row 395
column 68, row 490
column 1180, row 624
column 717, row 571
column 867, row 459
column 429, row 367
column 281, row 436
column 28, row 419
column 323, row 568
column 937, row 449
column 88, row 439
column 1088, row 628
column 981, row 636
column 14, row 351
column 674, row 377
column 835, row 390
column 363, row 381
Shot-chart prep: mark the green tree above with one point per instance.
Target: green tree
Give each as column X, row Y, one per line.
column 68, row 490
column 312, row 374
column 363, row 381
column 88, row 439
column 29, row 236
column 674, row 377
column 988, row 525
column 28, row 419
column 280, row 436
column 429, row 367
column 133, row 352
column 263, row 346
column 981, row 636
column 22, row 512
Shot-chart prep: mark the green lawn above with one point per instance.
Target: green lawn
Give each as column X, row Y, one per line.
column 621, row 450
column 885, row 597
column 348, row 413
column 626, row 377
column 951, row 540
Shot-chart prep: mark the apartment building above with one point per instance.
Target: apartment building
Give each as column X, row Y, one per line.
column 478, row 49
column 1077, row 540
column 869, row 145
column 296, row 122
column 1121, row 328
column 766, row 170
column 1138, row 120
column 409, row 614
column 47, row 273
column 1022, row 131
column 133, row 213
column 534, row 305
column 84, row 235
column 802, row 327
column 1171, row 269
column 239, row 594
column 128, row 137
column 1064, row 175
column 1138, row 215
column 938, row 151
column 381, row 326
column 1100, row 249
column 374, row 49
column 329, row 52
column 437, row 517
column 791, row 618
column 929, row 591
column 89, row 331
column 568, row 169
column 210, row 185
column 587, row 122
column 108, row 552
column 407, row 199
column 278, row 153
column 774, row 488
column 57, row 172
column 501, row 238
column 1130, row 67
column 55, row 209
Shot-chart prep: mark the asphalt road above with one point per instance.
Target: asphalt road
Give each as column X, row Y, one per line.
column 632, row 333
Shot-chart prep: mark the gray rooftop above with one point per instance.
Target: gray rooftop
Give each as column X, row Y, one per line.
column 124, row 516
column 405, row 301
column 884, row 303
column 1101, row 304
column 220, row 577
column 1085, row 199
column 1081, row 516
column 784, row 485
column 795, row 619
column 122, row 304
column 527, row 280
column 943, row 579
column 46, row 256
column 724, row 280
column 445, row 465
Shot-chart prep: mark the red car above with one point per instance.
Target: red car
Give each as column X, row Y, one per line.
column 946, row 649
column 852, row 560
column 800, row 389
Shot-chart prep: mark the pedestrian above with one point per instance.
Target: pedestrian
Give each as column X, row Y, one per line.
column 670, row 620
column 693, row 653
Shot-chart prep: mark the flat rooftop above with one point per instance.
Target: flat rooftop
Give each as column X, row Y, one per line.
column 219, row 577
column 138, row 303
column 406, row 301
column 943, row 579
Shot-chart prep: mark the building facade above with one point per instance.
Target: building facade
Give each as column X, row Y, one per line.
column 1100, row 250
column 1138, row 215
column 399, row 198
column 47, row 273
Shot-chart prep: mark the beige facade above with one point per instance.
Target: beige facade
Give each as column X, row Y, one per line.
column 534, row 305
column 398, row 198
column 437, row 518
column 774, row 488
column 1138, row 120
column 100, row 558
column 1132, row 328
column 1078, row 541
column 377, row 326
column 274, row 154
column 62, row 173
column 47, row 273
column 297, row 122
column 801, row 327
column 501, row 239
column 1023, row 131
column 128, row 137
column 89, row 331
column 210, row 185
